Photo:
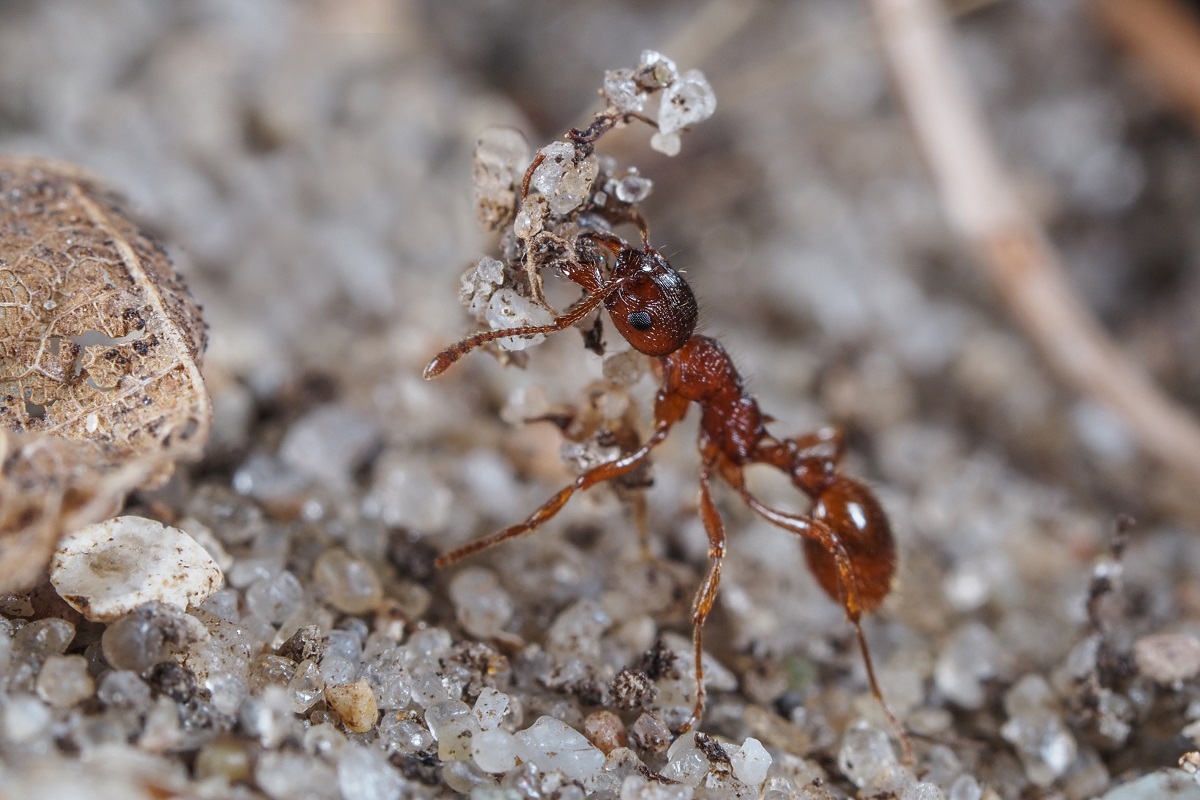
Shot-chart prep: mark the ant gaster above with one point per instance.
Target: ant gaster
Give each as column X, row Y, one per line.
column 847, row 539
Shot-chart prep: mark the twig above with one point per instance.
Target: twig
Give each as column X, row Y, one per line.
column 1165, row 39
column 1013, row 249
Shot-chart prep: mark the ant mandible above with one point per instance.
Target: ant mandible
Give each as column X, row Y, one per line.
column 847, row 539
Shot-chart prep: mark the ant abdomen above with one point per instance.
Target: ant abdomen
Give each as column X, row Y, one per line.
column 851, row 511
column 653, row 308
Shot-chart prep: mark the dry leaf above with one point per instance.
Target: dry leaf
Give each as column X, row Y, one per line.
column 100, row 344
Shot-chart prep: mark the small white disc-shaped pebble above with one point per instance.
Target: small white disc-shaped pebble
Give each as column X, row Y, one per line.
column 108, row 569
column 552, row 744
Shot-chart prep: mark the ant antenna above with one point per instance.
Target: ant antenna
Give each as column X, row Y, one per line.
column 445, row 359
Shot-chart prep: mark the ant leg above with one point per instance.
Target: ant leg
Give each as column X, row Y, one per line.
column 809, row 528
column 445, row 359
column 821, row 440
column 597, row 474
column 706, row 595
column 533, row 165
column 641, row 522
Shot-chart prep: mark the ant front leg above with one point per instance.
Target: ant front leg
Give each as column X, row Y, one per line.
column 706, row 595
column 597, row 474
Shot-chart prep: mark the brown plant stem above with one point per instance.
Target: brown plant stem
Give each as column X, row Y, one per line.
column 1011, row 246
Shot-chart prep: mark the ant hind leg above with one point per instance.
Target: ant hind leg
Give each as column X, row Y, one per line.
column 815, row 530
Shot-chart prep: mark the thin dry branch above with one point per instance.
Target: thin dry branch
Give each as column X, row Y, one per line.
column 1165, row 38
column 1012, row 247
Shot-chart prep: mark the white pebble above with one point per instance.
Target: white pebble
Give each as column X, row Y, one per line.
column 564, row 183
column 365, row 774
column 865, row 753
column 622, row 90
column 552, row 744
column 108, row 569
column 669, row 144
column 482, row 606
column 660, row 70
column 507, row 309
column 329, row 444
column 751, row 762
column 1167, row 658
column 65, row 681
column 23, row 719
column 501, row 154
column 490, row 708
column 685, row 102
column 494, row 751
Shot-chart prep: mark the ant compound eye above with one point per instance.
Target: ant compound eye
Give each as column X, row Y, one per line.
column 640, row 320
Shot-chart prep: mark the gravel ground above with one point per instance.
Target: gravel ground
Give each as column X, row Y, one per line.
column 310, row 166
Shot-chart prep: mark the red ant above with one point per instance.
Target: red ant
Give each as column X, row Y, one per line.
column 848, row 541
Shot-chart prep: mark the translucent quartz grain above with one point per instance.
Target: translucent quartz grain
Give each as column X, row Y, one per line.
column 134, row 642
column 623, row 91
column 274, row 599
column 501, row 156
column 306, row 686
column 507, row 309
column 481, row 604
column 685, row 102
column 561, row 180
column 490, row 707
column 42, row 637
column 285, row 775
column 965, row 787
column 576, row 631
column 65, row 681
column 1036, row 729
column 227, row 691
column 439, row 715
column 865, row 753
column 494, row 750
column 967, row 660
column 350, row 584
column 122, row 689
column 329, row 444
column 223, row 757
column 365, row 774
column 399, row 733
column 24, row 719
column 656, row 70
column 552, row 744
column 669, row 144
column 686, row 763
column 531, row 218
column 268, row 717
column 922, row 791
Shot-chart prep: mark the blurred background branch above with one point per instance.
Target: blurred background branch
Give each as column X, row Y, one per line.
column 1011, row 246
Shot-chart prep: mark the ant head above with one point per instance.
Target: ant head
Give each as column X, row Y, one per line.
column 653, row 307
